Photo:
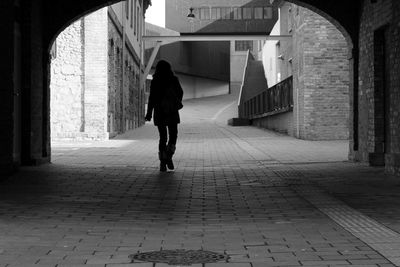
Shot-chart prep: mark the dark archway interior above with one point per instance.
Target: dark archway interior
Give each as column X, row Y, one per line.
column 258, row 209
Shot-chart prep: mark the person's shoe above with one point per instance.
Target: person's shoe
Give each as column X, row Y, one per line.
column 170, row 152
column 170, row 165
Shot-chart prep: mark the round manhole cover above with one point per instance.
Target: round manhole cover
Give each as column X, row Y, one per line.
column 179, row 257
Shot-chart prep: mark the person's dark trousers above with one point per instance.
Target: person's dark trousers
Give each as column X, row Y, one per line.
column 166, row 151
column 173, row 136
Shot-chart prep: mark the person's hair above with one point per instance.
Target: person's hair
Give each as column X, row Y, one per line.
column 163, row 69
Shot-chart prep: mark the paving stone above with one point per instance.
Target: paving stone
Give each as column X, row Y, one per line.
column 233, row 192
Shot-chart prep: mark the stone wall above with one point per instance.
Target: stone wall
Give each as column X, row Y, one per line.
column 95, row 80
column 115, row 111
column 321, row 77
column 66, row 110
column 126, row 100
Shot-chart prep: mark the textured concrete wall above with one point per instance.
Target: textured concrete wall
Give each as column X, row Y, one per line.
column 197, row 87
column 320, row 69
column 66, row 85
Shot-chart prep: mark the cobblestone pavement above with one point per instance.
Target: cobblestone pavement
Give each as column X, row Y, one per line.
column 261, row 198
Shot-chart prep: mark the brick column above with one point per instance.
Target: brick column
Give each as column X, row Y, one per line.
column 392, row 160
column 35, row 141
column 6, row 86
column 96, row 73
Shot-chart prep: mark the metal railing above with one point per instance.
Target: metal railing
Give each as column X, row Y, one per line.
column 276, row 99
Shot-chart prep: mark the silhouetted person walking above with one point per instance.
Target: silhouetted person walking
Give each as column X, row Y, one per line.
column 166, row 99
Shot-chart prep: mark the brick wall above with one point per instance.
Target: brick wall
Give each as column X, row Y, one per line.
column 114, row 80
column 95, row 74
column 126, row 100
column 6, row 92
column 321, row 77
column 370, row 21
column 376, row 145
column 317, row 58
column 37, row 133
column 393, row 157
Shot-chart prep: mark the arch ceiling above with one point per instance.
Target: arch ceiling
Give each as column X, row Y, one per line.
column 343, row 13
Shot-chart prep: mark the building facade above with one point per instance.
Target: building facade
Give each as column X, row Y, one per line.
column 222, row 17
column 369, row 27
column 96, row 91
column 202, row 67
column 314, row 61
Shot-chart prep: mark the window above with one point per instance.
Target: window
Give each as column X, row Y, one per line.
column 289, row 23
column 204, row 13
column 196, row 13
column 237, row 13
column 258, row 13
column 267, row 12
column 226, row 13
column 137, row 23
column 127, row 9
column 247, row 12
column 140, row 25
column 243, row 45
column 132, row 16
column 215, row 13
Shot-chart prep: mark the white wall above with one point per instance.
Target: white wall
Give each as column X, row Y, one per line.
column 269, row 57
column 238, row 62
column 196, row 87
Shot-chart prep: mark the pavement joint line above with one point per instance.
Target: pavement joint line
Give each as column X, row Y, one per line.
column 222, row 110
column 101, row 203
column 255, row 153
column 377, row 236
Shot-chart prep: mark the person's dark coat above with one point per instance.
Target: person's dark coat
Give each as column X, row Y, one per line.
column 157, row 92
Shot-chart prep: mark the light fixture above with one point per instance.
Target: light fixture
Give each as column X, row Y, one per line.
column 191, row 15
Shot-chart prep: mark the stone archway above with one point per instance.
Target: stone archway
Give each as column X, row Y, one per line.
column 41, row 22
column 327, row 10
